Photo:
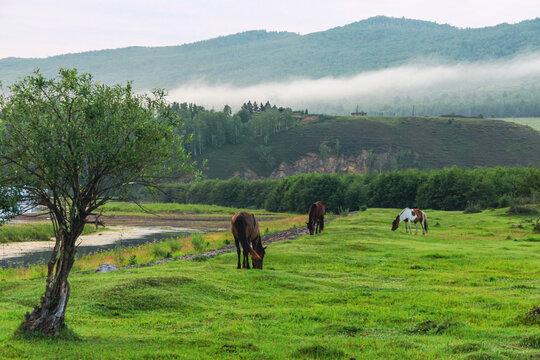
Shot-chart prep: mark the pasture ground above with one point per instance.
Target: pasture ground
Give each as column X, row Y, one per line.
column 356, row 291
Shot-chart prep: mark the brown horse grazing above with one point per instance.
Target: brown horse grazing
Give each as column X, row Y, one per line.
column 316, row 217
column 245, row 229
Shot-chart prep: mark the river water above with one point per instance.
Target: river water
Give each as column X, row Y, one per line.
column 41, row 257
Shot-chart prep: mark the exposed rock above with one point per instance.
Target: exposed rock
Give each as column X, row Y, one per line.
column 246, row 174
column 313, row 163
column 105, row 268
column 310, row 119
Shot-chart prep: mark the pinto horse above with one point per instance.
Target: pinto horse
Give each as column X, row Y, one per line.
column 245, row 229
column 316, row 217
column 410, row 216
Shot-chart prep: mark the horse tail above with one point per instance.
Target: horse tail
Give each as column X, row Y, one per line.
column 240, row 224
column 425, row 221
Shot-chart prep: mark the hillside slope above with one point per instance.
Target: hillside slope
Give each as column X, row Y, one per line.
column 379, row 143
column 257, row 56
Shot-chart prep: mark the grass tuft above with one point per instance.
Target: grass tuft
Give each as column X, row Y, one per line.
column 319, row 352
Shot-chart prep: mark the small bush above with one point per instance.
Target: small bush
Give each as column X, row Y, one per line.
column 174, row 245
column 521, row 207
column 363, row 208
column 472, row 208
column 532, row 342
column 132, row 260
column 198, row 242
column 536, row 228
column 531, row 317
column 161, row 251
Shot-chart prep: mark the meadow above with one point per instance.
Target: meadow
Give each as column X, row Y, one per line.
column 358, row 290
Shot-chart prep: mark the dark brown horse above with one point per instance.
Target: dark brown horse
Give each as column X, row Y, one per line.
column 316, row 217
column 245, row 229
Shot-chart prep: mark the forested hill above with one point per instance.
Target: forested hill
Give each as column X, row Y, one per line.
column 351, row 144
column 256, row 56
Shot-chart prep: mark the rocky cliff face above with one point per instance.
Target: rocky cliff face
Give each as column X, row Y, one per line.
column 313, row 163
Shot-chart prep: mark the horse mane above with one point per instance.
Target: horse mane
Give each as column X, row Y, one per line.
column 311, row 211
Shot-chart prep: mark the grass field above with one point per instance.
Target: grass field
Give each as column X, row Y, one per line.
column 127, row 208
column 42, row 231
column 356, row 291
column 532, row 122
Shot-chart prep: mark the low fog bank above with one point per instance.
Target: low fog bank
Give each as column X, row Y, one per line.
column 501, row 88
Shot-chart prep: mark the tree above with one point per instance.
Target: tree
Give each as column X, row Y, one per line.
column 8, row 204
column 227, row 110
column 73, row 144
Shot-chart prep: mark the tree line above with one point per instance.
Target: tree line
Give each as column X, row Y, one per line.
column 447, row 189
column 209, row 129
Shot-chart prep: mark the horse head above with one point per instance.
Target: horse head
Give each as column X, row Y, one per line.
column 311, row 227
column 258, row 263
column 395, row 223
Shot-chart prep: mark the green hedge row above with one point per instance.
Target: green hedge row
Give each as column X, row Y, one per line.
column 448, row 189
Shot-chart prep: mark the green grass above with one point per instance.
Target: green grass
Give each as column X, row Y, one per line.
column 127, row 208
column 33, row 232
column 532, row 122
column 358, row 291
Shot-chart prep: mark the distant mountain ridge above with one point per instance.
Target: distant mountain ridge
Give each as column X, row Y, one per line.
column 259, row 56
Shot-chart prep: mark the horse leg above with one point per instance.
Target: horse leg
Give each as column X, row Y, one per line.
column 423, row 228
column 416, row 232
column 246, row 261
column 237, row 243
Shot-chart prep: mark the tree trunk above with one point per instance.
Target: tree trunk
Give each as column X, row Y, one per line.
column 49, row 317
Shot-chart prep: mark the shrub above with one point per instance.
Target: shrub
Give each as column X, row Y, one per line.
column 522, row 210
column 536, row 228
column 472, row 208
column 505, row 201
column 132, row 260
column 161, row 250
column 198, row 242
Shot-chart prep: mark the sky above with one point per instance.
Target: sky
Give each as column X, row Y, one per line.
column 35, row 28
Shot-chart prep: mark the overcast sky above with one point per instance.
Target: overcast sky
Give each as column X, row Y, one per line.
column 35, row 28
